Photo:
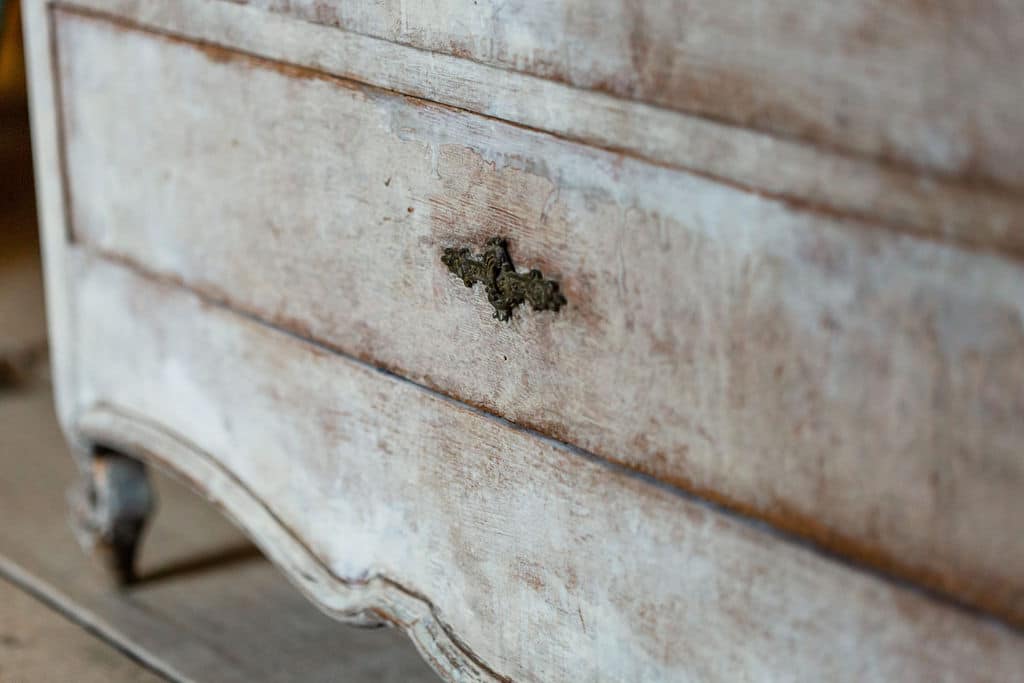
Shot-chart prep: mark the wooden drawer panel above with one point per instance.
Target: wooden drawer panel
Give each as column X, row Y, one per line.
column 933, row 84
column 860, row 387
column 824, row 178
column 498, row 551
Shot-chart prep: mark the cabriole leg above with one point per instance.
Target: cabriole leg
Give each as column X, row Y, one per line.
column 110, row 507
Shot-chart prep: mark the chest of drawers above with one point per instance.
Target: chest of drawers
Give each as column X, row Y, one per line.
column 735, row 390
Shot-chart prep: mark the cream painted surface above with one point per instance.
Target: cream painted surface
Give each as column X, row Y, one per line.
column 934, row 84
column 892, row 196
column 364, row 487
column 50, row 204
column 373, row 492
column 854, row 385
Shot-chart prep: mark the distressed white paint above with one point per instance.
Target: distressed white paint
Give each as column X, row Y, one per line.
column 547, row 566
column 50, row 205
column 896, row 197
column 934, row 84
column 854, row 385
column 918, row 374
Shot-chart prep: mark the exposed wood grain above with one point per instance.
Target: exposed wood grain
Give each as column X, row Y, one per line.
column 373, row 492
column 37, row 644
column 802, row 174
column 862, row 388
column 207, row 608
column 934, row 84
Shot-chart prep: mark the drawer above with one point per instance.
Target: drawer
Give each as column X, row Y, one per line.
column 505, row 557
column 858, row 387
column 932, row 86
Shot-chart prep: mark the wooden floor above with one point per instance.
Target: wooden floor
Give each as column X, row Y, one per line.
column 30, row 634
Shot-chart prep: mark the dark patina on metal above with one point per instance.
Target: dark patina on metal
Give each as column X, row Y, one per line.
column 506, row 288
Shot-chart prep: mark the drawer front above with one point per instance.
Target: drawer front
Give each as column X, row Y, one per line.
column 932, row 85
column 498, row 552
column 863, row 388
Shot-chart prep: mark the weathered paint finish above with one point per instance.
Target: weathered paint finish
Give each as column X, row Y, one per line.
column 859, row 387
column 944, row 209
column 208, row 607
column 377, row 495
column 934, row 84
column 497, row 549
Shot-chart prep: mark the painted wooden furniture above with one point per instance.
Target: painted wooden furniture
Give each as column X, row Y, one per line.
column 758, row 413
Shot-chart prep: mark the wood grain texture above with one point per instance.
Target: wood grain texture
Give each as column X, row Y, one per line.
column 933, row 84
column 378, row 496
column 208, row 607
column 861, row 388
column 37, row 644
column 945, row 209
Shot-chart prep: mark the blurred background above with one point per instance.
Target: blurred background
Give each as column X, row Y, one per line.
column 22, row 321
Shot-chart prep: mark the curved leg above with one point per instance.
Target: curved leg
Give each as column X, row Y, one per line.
column 110, row 506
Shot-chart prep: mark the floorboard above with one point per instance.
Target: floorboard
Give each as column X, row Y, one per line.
column 38, row 644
